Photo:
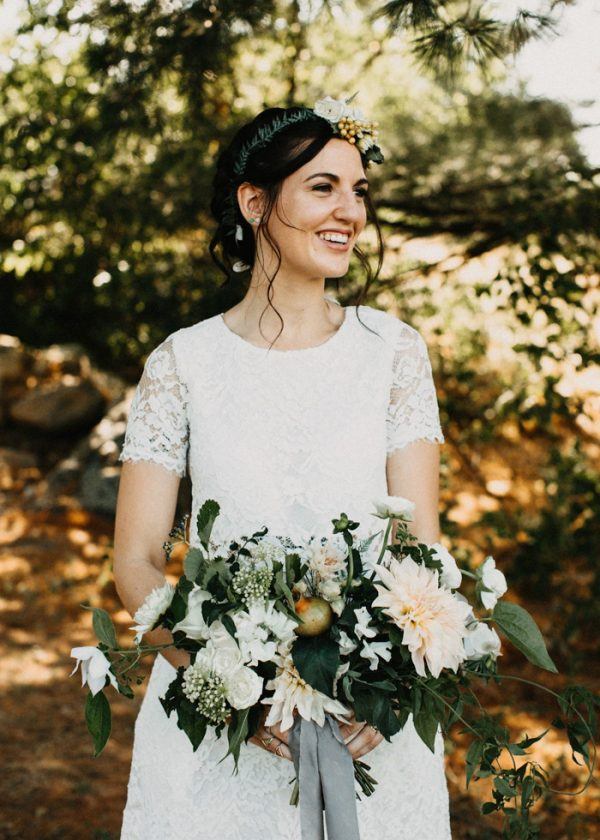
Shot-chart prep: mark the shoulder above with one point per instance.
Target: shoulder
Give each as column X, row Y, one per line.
column 175, row 350
column 396, row 332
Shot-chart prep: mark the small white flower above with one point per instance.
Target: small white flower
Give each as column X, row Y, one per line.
column 329, row 589
column 494, row 581
column 264, row 554
column 95, row 667
column 450, row 576
column 365, row 142
column 362, row 620
column 372, row 650
column 252, row 636
column 327, row 560
column 346, row 644
column 193, row 625
column 330, row 109
column 481, row 640
column 337, row 605
column 396, row 506
column 243, row 687
column 154, row 605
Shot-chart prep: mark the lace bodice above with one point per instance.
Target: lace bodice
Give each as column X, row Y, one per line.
column 284, row 438
column 288, row 439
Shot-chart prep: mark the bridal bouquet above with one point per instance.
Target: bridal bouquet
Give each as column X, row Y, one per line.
column 331, row 627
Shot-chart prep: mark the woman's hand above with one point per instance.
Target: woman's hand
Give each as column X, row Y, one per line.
column 360, row 738
column 272, row 739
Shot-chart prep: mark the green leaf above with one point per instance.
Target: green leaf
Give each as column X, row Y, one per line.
column 281, row 588
column 193, row 563
column 523, row 632
column 103, row 627
column 426, row 724
column 473, row 759
column 205, row 520
column 98, row 719
column 191, row 722
column 317, row 660
column 236, row 734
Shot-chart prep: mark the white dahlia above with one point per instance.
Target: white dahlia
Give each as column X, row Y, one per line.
column 292, row 692
column 432, row 618
column 153, row 606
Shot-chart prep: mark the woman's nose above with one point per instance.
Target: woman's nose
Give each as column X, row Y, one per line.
column 349, row 207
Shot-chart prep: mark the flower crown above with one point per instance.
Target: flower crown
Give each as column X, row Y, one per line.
column 347, row 122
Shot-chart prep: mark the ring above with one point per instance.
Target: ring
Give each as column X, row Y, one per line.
column 266, row 744
column 278, row 747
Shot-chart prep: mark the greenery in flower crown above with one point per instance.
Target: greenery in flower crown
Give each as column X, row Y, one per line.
column 265, row 134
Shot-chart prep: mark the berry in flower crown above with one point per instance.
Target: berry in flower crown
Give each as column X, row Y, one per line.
column 351, row 124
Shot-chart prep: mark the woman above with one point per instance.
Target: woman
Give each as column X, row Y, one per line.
column 289, row 410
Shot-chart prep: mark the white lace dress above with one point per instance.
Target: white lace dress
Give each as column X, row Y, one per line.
column 287, row 439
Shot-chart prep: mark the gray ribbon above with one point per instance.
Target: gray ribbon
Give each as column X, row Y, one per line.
column 325, row 773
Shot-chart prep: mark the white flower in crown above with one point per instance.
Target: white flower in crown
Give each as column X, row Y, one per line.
column 331, row 109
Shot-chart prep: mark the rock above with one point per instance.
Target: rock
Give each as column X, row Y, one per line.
column 59, row 407
column 13, row 359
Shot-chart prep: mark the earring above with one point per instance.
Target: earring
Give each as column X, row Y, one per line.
column 254, row 220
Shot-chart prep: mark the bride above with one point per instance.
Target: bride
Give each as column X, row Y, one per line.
column 287, row 409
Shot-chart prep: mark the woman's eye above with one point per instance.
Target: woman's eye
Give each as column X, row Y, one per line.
column 361, row 192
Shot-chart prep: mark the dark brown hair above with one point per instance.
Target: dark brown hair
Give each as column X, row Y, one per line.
column 266, row 167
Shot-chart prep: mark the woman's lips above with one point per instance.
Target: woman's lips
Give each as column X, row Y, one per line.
column 334, row 246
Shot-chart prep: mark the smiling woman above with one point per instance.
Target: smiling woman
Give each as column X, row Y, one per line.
column 342, row 412
column 293, row 208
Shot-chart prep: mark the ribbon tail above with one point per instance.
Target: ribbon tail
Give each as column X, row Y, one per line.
column 336, row 769
column 302, row 742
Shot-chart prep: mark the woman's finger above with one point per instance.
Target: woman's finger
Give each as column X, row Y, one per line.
column 350, row 732
column 364, row 742
column 274, row 746
column 278, row 733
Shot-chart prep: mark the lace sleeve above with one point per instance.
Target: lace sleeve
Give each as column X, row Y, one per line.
column 413, row 412
column 157, row 427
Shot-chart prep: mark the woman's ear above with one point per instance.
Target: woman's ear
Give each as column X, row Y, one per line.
column 250, row 199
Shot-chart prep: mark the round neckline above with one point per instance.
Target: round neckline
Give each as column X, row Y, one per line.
column 294, row 352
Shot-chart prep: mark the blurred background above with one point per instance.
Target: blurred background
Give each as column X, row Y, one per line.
column 113, row 114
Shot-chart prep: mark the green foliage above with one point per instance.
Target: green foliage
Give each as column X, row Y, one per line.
column 103, row 626
column 317, row 660
column 98, row 719
column 516, row 623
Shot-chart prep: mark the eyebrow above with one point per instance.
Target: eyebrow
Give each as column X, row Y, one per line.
column 333, row 177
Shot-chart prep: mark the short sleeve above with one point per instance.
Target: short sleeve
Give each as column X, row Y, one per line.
column 157, row 427
column 413, row 412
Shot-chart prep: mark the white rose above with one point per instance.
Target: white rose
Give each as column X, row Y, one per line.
column 330, row 109
column 225, row 653
column 95, row 667
column 243, row 687
column 193, row 625
column 450, row 576
column 493, row 580
column 396, row 506
column 481, row 640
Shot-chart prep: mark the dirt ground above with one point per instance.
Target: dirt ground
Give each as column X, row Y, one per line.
column 53, row 561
